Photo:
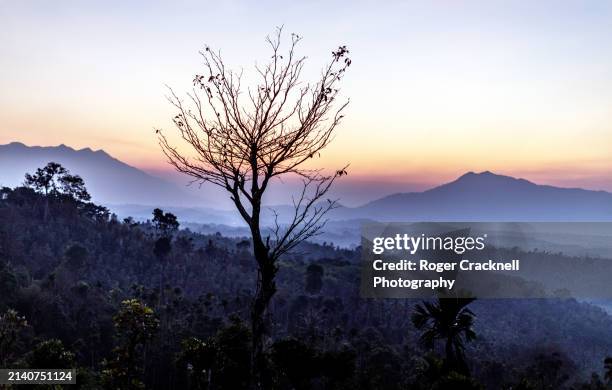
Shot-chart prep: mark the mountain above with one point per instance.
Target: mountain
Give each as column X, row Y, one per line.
column 109, row 180
column 487, row 197
column 472, row 197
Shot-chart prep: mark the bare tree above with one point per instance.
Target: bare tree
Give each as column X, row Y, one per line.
column 244, row 139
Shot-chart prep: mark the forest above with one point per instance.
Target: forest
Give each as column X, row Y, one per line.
column 151, row 305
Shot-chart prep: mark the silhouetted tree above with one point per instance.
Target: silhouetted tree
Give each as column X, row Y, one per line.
column 95, row 212
column 74, row 186
column 55, row 180
column 46, row 179
column 165, row 223
column 449, row 320
column 243, row 141
column 135, row 325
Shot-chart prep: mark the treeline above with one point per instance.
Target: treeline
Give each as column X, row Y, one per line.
column 148, row 305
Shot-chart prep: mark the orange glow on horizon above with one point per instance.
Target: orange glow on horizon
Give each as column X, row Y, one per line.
column 435, row 90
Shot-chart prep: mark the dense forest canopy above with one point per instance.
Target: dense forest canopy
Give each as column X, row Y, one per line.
column 148, row 305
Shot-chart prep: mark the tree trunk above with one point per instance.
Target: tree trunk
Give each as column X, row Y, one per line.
column 265, row 290
column 46, row 209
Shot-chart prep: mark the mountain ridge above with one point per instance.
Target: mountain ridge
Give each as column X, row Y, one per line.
column 488, row 196
column 110, row 180
column 472, row 174
column 483, row 196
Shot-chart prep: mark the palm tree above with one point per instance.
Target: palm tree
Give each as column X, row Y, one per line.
column 447, row 319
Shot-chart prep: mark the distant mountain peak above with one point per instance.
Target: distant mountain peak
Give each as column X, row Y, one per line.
column 14, row 146
column 109, row 180
column 484, row 174
column 63, row 148
column 487, row 196
column 487, row 178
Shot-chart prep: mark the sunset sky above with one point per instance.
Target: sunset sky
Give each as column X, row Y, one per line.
column 437, row 88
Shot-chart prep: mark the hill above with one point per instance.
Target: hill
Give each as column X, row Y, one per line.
column 68, row 274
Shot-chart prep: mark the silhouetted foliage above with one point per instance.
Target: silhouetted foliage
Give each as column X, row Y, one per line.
column 451, row 321
column 165, row 223
column 84, row 289
column 295, row 362
column 135, row 325
column 196, row 359
column 54, row 179
column 50, row 354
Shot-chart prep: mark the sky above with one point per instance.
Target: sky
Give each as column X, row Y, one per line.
column 436, row 88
